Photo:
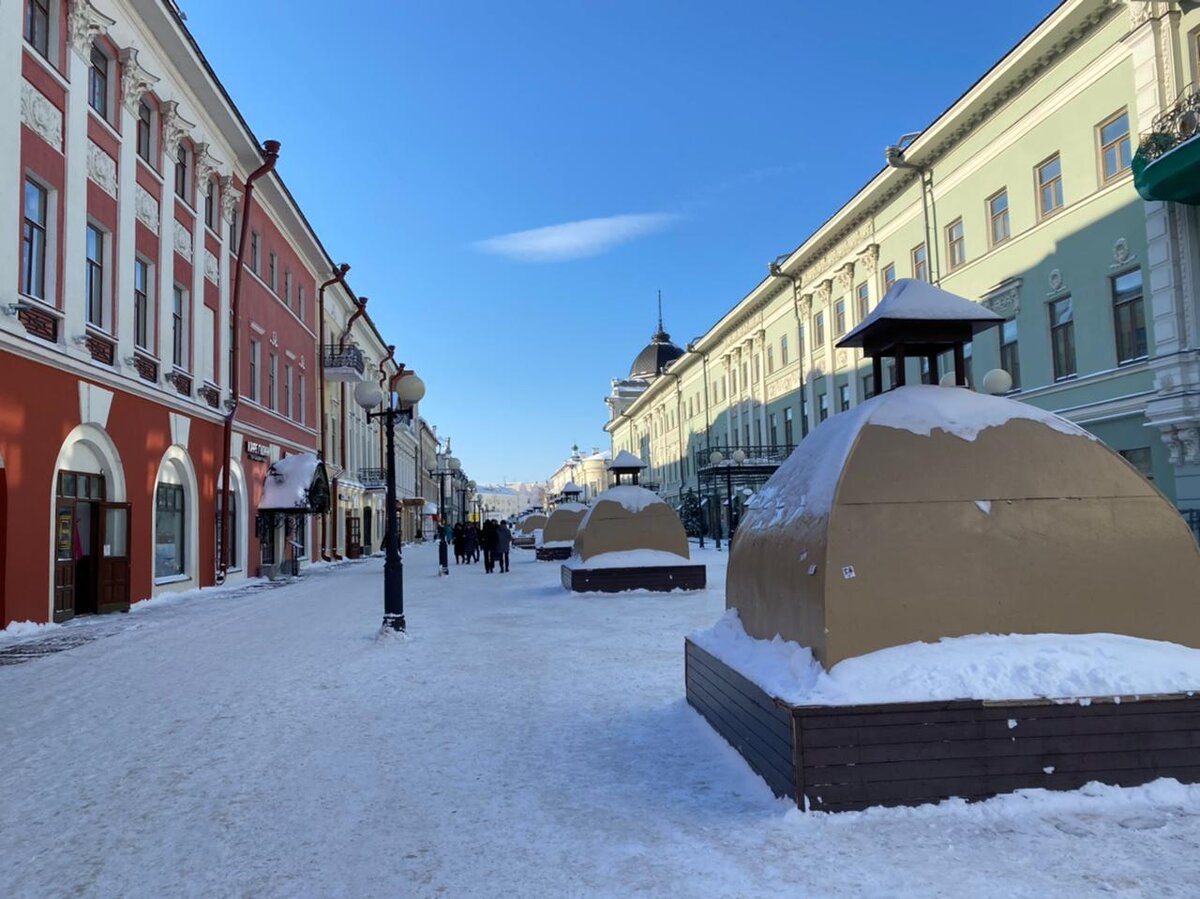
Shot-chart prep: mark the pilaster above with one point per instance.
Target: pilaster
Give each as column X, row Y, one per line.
column 11, row 25
column 74, row 233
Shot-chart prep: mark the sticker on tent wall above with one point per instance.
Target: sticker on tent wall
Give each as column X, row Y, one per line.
column 848, row 572
column 804, row 555
column 812, row 569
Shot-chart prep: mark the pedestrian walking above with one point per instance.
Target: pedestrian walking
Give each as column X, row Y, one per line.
column 460, row 540
column 471, row 543
column 489, row 546
column 503, row 544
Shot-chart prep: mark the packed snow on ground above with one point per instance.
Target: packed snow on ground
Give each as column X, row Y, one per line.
column 521, row 741
column 21, row 630
column 629, row 558
column 987, row 666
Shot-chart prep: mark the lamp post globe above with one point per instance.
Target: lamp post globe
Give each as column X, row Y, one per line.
column 716, row 457
column 411, row 389
column 368, row 394
column 739, row 456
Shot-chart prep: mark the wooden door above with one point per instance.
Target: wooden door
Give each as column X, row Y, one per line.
column 353, row 536
column 112, row 551
column 64, row 561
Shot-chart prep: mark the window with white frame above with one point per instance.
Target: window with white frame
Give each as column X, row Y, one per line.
column 98, row 81
column 863, row 296
column 272, row 268
column 287, row 391
column 145, row 132
column 1129, row 317
column 920, row 262
column 141, row 303
column 889, row 276
column 272, row 381
column 94, row 286
column 255, row 360
column 34, row 239
column 1050, row 186
column 956, row 244
column 210, row 204
column 1010, row 357
column 183, row 173
column 179, row 327
column 37, row 25
column 169, row 530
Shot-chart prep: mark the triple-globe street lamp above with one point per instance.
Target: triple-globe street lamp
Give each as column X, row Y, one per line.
column 716, row 457
column 371, row 396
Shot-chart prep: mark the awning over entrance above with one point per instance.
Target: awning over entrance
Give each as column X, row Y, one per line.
column 295, row 484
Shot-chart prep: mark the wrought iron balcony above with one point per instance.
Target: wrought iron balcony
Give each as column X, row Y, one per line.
column 343, row 364
column 756, row 457
column 372, row 478
column 1167, row 163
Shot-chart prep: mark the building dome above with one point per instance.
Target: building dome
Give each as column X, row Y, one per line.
column 651, row 361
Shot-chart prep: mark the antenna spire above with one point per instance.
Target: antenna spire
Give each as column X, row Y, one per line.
column 660, row 323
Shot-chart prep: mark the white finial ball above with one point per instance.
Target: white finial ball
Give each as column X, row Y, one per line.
column 997, row 382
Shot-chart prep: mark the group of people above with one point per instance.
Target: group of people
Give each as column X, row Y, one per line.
column 492, row 539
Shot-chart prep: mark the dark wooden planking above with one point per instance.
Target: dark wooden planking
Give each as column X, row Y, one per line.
column 778, row 732
column 661, row 578
column 718, row 670
column 1031, row 765
column 982, row 730
column 817, row 717
column 1022, row 745
column 774, row 769
column 935, row 789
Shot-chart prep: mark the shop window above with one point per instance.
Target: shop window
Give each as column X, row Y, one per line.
column 169, row 561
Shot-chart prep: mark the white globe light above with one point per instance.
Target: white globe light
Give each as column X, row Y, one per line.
column 368, row 394
column 453, row 464
column 997, row 381
column 949, row 379
column 739, row 456
column 716, row 457
column 410, row 389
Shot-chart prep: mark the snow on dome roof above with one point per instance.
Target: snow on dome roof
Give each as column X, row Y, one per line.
column 625, row 460
column 910, row 299
column 295, row 483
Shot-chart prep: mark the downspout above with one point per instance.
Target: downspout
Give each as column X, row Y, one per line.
column 270, row 151
column 339, row 277
column 777, row 271
column 333, row 485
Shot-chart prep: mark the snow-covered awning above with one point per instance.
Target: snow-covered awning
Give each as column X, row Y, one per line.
column 297, row 483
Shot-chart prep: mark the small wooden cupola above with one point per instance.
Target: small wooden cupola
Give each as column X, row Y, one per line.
column 625, row 464
column 916, row 319
column 571, row 492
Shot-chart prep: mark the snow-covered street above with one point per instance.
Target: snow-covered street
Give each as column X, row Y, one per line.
column 521, row 741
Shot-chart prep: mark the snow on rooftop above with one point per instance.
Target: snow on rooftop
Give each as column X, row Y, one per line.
column 915, row 300
column 984, row 666
column 626, row 459
column 288, row 481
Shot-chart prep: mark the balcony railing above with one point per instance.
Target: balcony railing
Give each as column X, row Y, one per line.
column 372, row 478
column 1167, row 163
column 756, row 457
column 343, row 364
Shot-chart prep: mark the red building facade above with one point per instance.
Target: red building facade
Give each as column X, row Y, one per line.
column 122, row 167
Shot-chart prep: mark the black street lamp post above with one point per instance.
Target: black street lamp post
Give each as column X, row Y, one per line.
column 369, row 395
column 447, row 465
column 716, row 457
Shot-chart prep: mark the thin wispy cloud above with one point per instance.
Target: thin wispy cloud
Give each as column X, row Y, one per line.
column 577, row 240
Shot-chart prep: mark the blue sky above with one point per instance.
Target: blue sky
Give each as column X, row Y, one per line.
column 438, row 146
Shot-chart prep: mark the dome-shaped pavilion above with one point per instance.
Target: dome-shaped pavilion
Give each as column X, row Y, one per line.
column 930, row 512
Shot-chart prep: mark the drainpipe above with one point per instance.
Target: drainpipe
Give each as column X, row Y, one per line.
column 339, row 277
column 776, row 271
column 270, row 151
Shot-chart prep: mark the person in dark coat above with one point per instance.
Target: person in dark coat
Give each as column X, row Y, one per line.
column 460, row 539
column 471, row 543
column 489, row 546
column 503, row 544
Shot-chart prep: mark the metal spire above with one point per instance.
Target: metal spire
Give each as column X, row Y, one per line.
column 660, row 325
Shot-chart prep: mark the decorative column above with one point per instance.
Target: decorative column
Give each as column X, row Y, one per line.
column 846, row 358
column 135, row 81
column 824, row 353
column 759, row 344
column 84, row 24
column 174, row 127
column 805, row 357
column 230, row 197
column 204, row 168
column 727, row 362
column 11, row 182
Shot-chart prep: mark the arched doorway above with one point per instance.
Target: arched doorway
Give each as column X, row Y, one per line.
column 239, row 532
column 89, row 538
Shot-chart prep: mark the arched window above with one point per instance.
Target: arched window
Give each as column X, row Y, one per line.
column 170, row 557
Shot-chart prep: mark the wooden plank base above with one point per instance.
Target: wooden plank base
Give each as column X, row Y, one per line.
column 660, row 578
column 842, row 758
column 553, row 553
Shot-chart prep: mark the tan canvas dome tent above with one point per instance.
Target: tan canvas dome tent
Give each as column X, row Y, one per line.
column 631, row 539
column 531, row 523
column 931, row 512
column 558, row 536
